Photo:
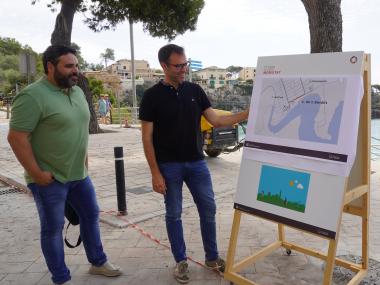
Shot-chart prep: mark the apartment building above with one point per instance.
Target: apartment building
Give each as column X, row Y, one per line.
column 123, row 68
column 247, row 73
column 212, row 77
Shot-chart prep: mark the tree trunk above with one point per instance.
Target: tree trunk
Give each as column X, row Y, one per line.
column 64, row 23
column 62, row 36
column 325, row 25
column 94, row 126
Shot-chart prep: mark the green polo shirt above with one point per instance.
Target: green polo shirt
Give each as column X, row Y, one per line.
column 58, row 127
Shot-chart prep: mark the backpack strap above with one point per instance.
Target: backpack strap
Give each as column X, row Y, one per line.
column 67, row 242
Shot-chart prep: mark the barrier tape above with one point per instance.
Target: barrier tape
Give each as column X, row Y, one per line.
column 13, row 184
column 154, row 239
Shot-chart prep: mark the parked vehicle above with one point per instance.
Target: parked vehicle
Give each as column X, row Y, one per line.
column 220, row 140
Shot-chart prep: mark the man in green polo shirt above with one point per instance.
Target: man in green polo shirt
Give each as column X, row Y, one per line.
column 49, row 136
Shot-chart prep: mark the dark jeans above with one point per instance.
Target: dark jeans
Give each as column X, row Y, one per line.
column 197, row 178
column 50, row 201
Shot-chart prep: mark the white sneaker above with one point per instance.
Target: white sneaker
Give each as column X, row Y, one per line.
column 107, row 269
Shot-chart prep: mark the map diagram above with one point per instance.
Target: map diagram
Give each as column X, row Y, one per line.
column 307, row 109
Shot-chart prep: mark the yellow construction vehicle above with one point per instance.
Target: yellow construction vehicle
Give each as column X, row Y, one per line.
column 220, row 140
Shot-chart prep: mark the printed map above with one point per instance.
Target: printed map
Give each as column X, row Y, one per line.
column 307, row 109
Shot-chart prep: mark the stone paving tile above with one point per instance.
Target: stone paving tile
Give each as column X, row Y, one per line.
column 22, row 279
column 145, row 262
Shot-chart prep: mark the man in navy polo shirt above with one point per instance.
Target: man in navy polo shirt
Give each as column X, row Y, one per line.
column 170, row 115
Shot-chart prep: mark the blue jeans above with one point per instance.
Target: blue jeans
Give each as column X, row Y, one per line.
column 197, row 178
column 50, row 201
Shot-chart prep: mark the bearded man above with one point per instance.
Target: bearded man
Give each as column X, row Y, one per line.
column 49, row 136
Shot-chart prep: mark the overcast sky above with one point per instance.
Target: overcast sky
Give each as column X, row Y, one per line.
column 228, row 32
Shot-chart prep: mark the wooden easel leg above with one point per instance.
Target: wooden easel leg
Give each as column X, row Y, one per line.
column 233, row 241
column 281, row 233
column 365, row 230
column 330, row 262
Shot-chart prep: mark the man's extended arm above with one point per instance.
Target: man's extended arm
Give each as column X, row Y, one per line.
column 224, row 120
column 24, row 153
column 158, row 182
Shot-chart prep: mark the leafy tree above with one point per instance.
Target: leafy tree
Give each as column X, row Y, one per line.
column 325, row 25
column 160, row 18
column 10, row 75
column 234, row 69
column 96, row 87
column 94, row 67
column 244, row 89
column 83, row 65
column 128, row 99
column 8, row 80
column 9, row 46
column 108, row 54
column 9, row 62
column 165, row 19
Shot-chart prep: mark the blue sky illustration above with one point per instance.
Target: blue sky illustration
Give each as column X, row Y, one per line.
column 293, row 185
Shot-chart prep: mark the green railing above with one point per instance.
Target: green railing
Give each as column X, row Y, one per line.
column 119, row 115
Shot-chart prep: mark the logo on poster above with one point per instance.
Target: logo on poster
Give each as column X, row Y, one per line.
column 353, row 59
column 271, row 69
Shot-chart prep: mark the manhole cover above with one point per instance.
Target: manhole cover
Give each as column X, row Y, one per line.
column 7, row 190
column 342, row 275
column 139, row 190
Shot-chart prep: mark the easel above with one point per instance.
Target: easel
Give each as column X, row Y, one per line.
column 355, row 202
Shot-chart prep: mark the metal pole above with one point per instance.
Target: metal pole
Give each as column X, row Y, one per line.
column 133, row 72
column 120, row 181
column 118, row 106
column 190, row 74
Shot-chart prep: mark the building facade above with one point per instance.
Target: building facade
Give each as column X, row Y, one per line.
column 123, row 68
column 247, row 73
column 212, row 77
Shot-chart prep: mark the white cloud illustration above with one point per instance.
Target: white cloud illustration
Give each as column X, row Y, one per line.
column 300, row 186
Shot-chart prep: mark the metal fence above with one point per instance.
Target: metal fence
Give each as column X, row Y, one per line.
column 375, row 148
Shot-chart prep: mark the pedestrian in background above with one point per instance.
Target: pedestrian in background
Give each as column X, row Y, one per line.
column 102, row 108
column 108, row 109
column 49, row 136
column 170, row 115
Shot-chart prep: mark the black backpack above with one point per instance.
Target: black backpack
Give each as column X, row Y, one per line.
column 73, row 219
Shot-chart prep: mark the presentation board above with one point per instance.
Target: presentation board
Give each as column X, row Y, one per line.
column 298, row 198
column 305, row 111
column 301, row 139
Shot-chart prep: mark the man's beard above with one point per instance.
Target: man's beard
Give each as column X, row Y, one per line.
column 65, row 81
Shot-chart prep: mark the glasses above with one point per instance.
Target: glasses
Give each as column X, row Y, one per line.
column 180, row 65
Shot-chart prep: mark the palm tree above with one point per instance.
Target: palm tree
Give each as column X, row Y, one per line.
column 108, row 54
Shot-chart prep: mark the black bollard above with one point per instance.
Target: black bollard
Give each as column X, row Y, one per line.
column 120, row 181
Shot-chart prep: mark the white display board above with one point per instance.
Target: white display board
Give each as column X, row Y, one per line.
column 302, row 199
column 305, row 111
column 301, row 139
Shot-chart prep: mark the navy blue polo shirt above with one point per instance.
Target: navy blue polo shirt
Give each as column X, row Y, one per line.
column 176, row 116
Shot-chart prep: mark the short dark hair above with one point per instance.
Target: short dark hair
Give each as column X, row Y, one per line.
column 166, row 51
column 52, row 53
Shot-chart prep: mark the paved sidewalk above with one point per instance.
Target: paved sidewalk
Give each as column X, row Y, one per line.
column 144, row 261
